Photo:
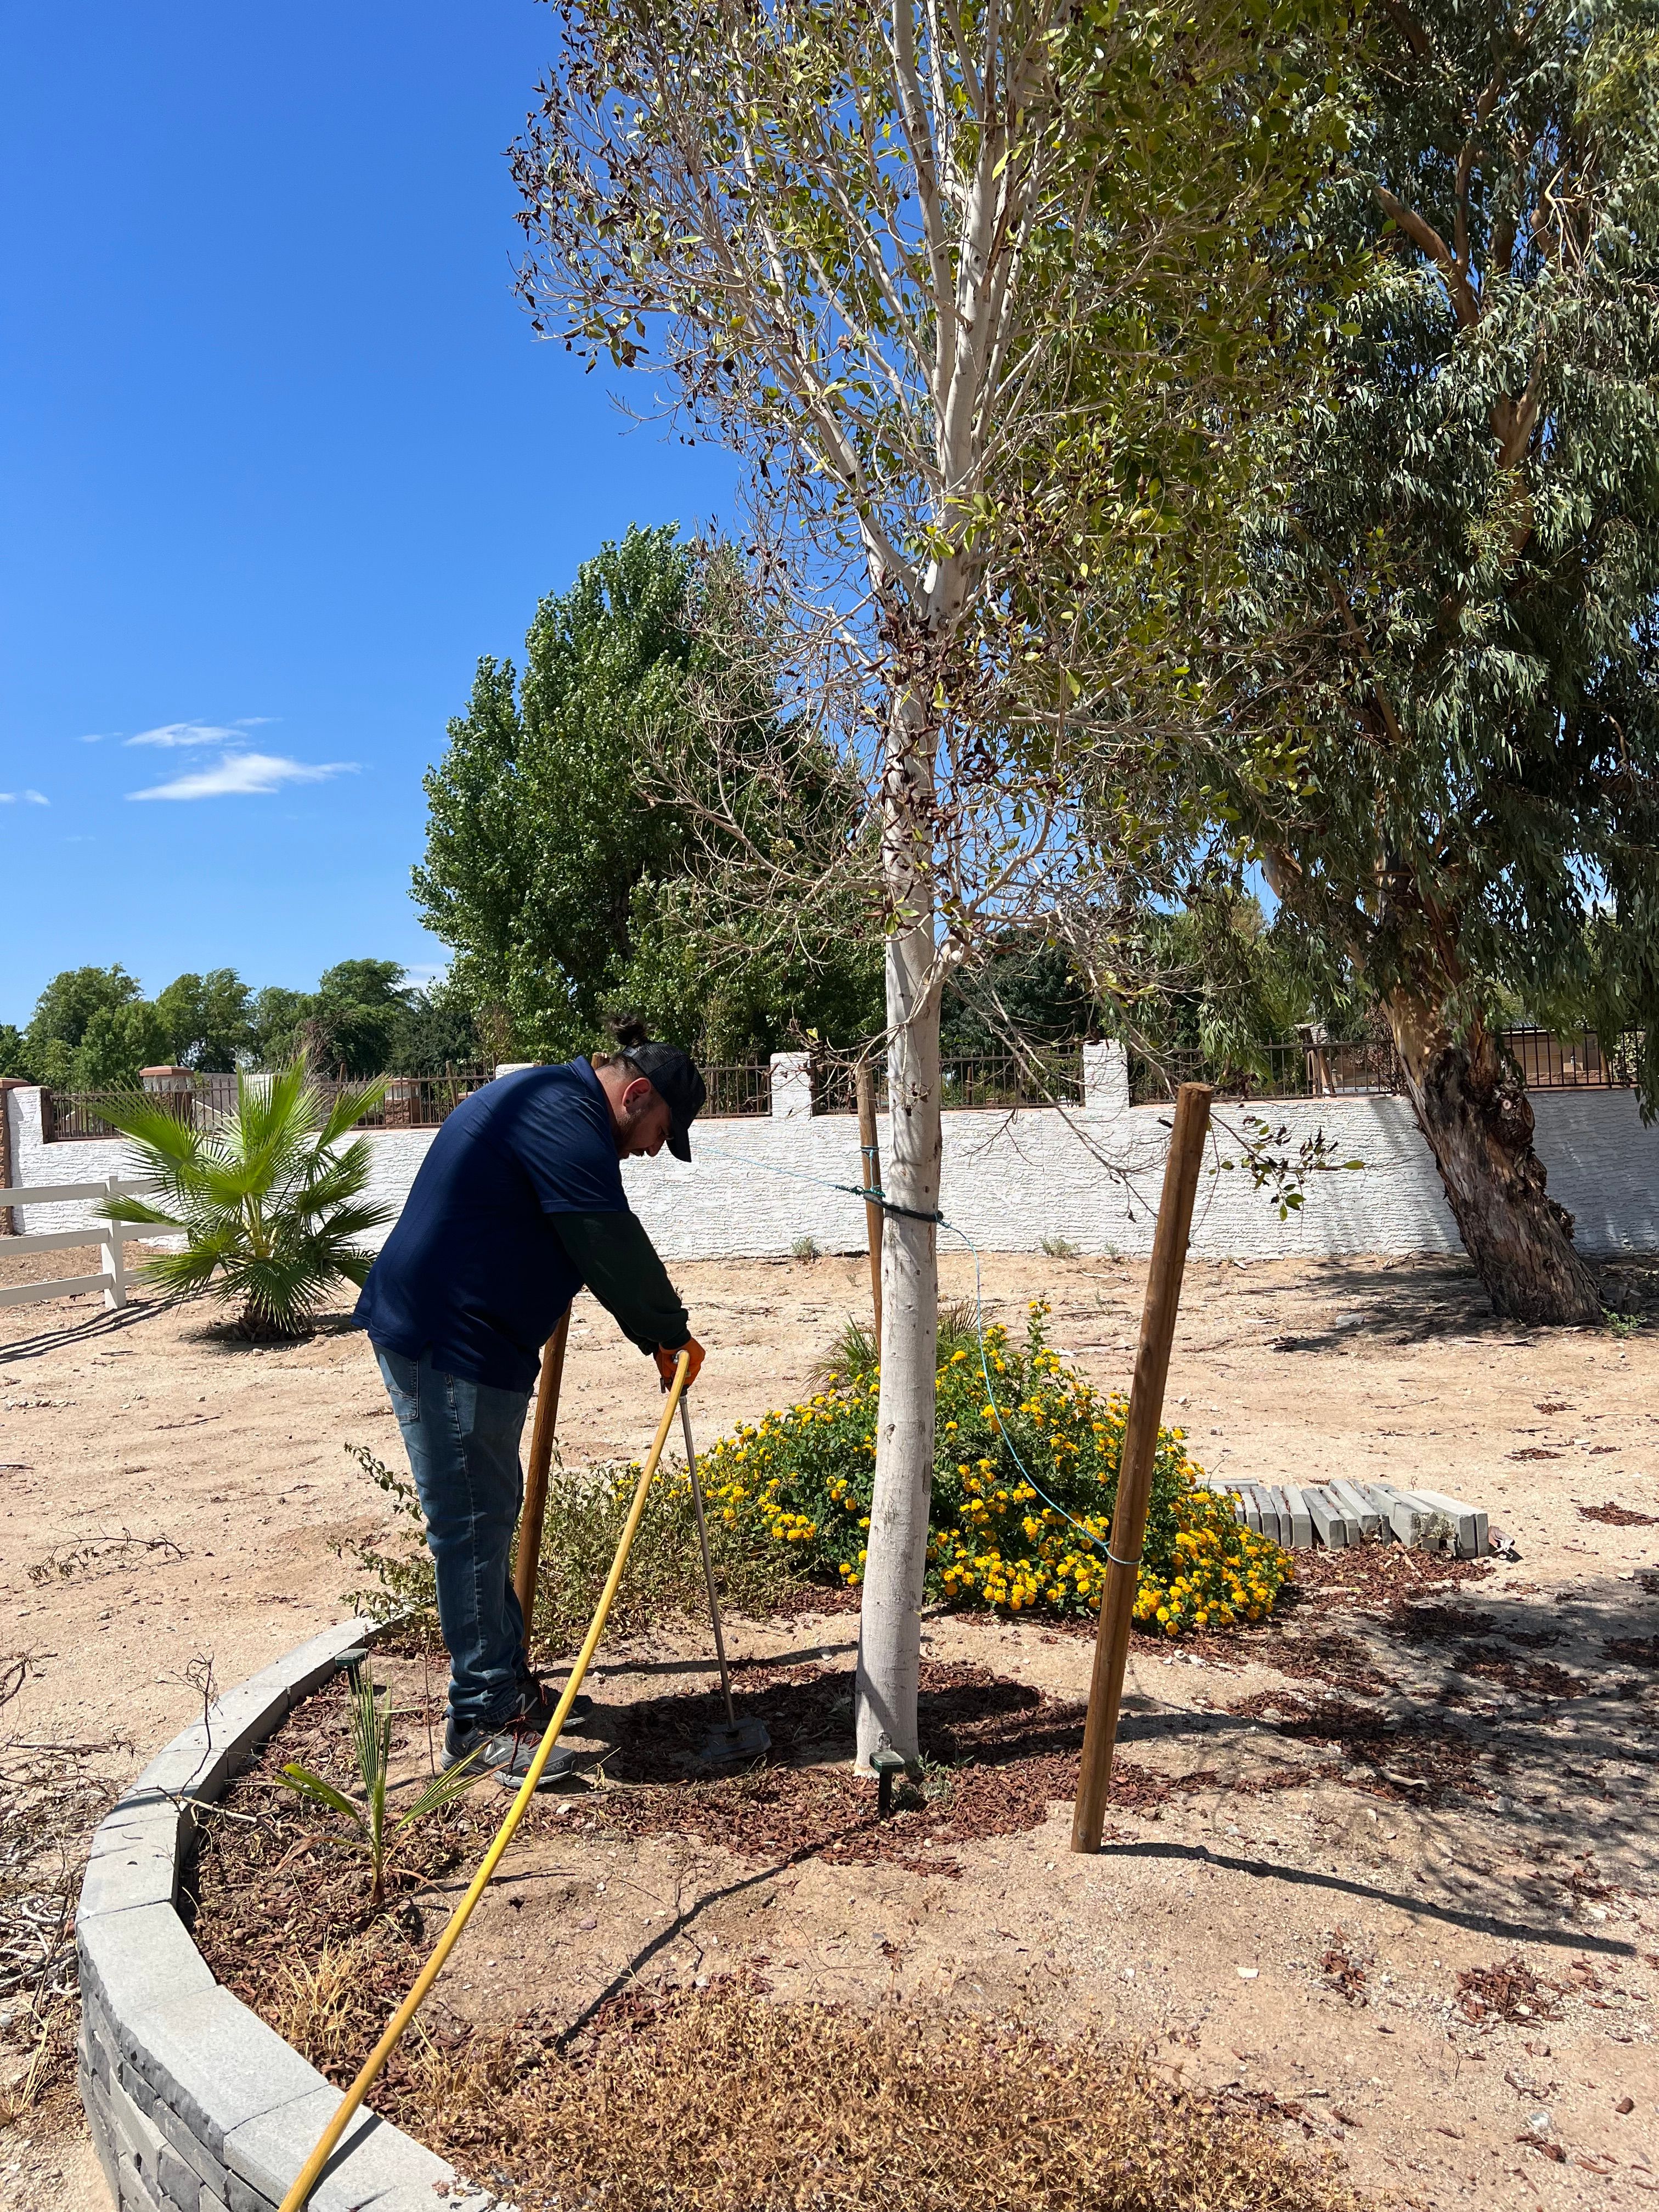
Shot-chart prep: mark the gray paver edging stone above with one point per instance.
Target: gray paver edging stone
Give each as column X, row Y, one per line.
column 194, row 2104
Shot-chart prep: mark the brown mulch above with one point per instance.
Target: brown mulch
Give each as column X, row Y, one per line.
column 814, row 1597
column 1508, row 1991
column 1343, row 1972
column 1331, row 1657
column 1618, row 1516
column 997, row 1755
column 1528, row 1678
column 1633, row 1650
column 1376, row 1576
column 1421, row 1760
column 1437, row 1624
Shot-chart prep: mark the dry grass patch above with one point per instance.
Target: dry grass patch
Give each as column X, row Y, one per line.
column 725, row 2102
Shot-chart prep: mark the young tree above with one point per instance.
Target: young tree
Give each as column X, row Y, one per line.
column 941, row 276
column 269, row 1205
column 1444, row 729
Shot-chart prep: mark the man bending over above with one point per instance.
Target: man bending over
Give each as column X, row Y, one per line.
column 519, row 1203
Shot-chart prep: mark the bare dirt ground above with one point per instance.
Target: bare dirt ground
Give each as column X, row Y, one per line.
column 1340, row 1825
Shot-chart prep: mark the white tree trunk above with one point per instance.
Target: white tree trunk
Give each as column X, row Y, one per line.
column 889, row 1626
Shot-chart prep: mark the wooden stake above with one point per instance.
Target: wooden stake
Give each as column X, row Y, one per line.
column 870, row 1153
column 1135, row 1481
column 535, row 1480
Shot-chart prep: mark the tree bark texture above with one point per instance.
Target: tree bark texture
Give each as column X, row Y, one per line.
column 1472, row 1106
column 896, row 1565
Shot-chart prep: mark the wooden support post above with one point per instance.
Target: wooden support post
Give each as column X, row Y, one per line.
column 870, row 1155
column 1135, row 1481
column 535, row 1480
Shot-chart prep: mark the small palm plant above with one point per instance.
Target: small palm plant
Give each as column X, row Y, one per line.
column 269, row 1206
column 855, row 1352
column 371, row 1752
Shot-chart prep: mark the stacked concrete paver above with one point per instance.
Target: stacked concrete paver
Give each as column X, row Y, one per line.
column 194, row 2104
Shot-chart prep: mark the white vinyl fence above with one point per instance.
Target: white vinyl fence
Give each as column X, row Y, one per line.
column 112, row 1277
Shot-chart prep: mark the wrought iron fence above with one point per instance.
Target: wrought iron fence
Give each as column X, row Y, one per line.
column 1549, row 1060
column 1327, row 1069
column 414, row 1102
column 72, row 1117
column 411, row 1101
column 737, row 1088
column 1574, row 1059
column 971, row 1082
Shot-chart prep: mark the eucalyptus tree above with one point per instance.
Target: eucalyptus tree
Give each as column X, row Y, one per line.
column 964, row 287
column 1443, row 731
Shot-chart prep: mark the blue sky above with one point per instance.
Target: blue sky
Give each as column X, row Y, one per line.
column 278, row 459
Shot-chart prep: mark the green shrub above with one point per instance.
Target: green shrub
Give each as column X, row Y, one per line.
column 581, row 1528
column 855, row 1353
column 270, row 1207
column 586, row 1510
column 802, row 1479
column 373, row 1833
column 400, row 1575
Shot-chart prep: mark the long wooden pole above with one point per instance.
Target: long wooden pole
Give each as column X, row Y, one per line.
column 535, row 1482
column 870, row 1154
column 1135, row 1481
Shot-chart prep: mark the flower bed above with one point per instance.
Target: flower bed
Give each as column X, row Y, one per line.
column 1025, row 1484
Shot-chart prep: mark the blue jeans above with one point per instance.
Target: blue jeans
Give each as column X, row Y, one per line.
column 462, row 1439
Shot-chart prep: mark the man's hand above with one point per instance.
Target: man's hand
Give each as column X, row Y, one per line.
column 667, row 1361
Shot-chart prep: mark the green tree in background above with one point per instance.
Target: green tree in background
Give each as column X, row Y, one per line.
column 208, row 1020
column 65, row 1011
column 274, row 1018
column 700, row 982
column 1442, row 732
column 357, row 1017
column 438, row 1031
column 566, row 854
column 119, row 1040
column 537, row 833
column 357, row 1020
column 365, row 1018
column 93, row 1029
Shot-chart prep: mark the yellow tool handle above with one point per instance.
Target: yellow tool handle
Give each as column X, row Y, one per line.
column 311, row 2171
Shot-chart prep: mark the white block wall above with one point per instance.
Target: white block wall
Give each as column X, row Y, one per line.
column 1089, row 1174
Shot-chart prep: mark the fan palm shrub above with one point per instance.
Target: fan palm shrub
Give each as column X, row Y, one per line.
column 268, row 1202
column 373, row 1833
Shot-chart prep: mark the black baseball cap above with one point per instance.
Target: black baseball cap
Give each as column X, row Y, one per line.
column 673, row 1076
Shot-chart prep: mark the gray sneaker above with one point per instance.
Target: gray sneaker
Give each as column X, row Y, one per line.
column 541, row 1701
column 507, row 1749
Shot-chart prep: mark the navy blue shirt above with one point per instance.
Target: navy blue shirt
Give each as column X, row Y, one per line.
column 474, row 1270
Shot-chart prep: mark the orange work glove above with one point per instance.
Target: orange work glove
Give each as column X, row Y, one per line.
column 667, row 1361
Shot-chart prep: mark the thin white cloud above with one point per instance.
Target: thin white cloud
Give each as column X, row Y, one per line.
column 190, row 733
column 246, row 775
column 24, row 799
column 97, row 737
